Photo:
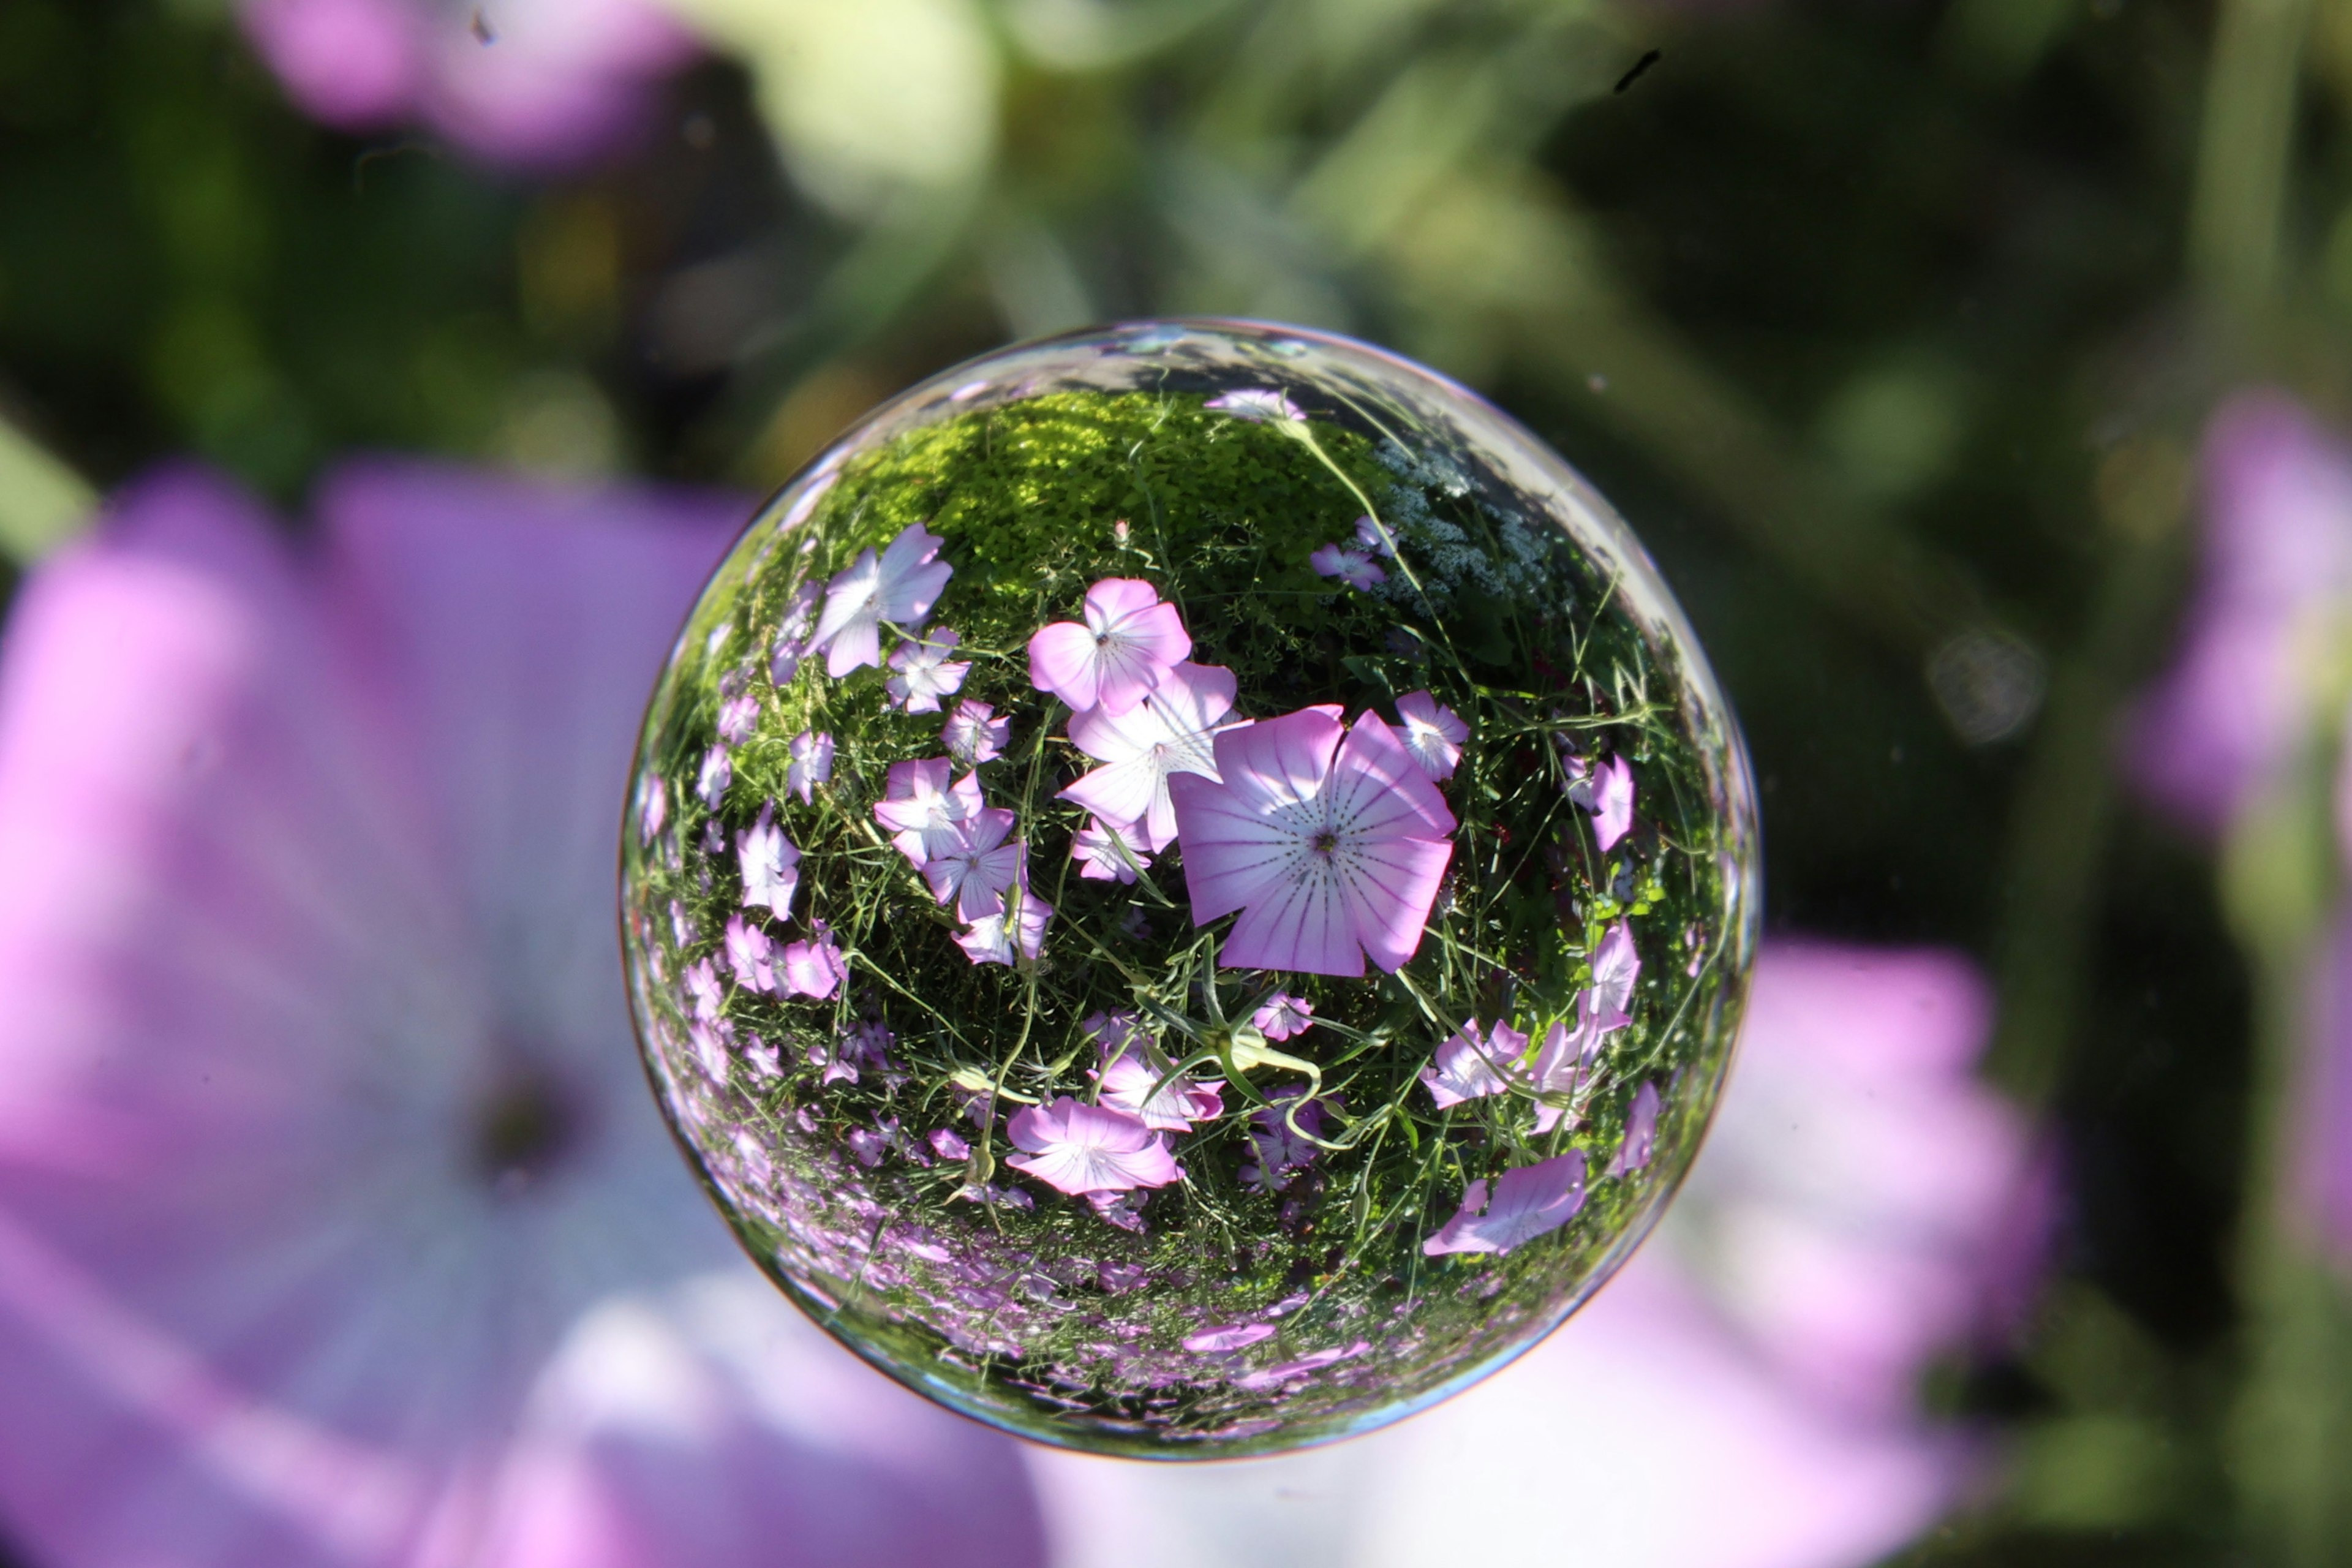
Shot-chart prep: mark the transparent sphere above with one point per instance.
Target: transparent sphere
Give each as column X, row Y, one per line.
column 1189, row 889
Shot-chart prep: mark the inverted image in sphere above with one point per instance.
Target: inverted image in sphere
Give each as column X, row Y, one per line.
column 1189, row 889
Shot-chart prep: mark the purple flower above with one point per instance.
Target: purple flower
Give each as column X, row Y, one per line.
column 1607, row 793
column 948, row 1144
column 543, row 84
column 1077, row 1148
column 1641, row 1130
column 792, row 635
column 1330, row 847
column 385, row 771
column 899, row 586
column 1172, row 731
column 1106, row 855
column 979, row 865
column 925, row 813
column 1373, row 537
column 1126, row 1082
column 1282, row 1015
column 738, row 717
column 1471, row 1064
column 2277, row 572
column 812, row 764
column 718, row 773
column 1528, row 1201
column 973, row 735
column 771, row 865
column 811, row 968
column 1432, row 733
column 1607, row 1004
column 751, row 955
column 921, row 673
column 1559, row 1067
column 1353, row 567
column 1278, row 1154
column 1255, row 403
column 1128, row 641
column 1124, row 1210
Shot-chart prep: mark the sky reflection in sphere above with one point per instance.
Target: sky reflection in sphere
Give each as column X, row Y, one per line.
column 1189, row 889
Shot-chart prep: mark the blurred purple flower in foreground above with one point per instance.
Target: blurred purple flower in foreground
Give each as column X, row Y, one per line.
column 336, row 1224
column 1743, row 1394
column 538, row 83
column 2271, row 607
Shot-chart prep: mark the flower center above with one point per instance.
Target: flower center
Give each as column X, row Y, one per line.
column 524, row 1128
column 1324, row 842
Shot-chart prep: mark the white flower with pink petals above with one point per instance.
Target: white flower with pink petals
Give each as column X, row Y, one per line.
column 1106, row 854
column 1127, row 1083
column 1079, row 1149
column 900, row 585
column 1527, row 1202
column 771, row 865
column 924, row 812
column 1434, row 733
column 979, row 867
column 1256, row 405
column 973, row 735
column 922, row 673
column 1473, row 1064
column 1330, row 841
column 1352, row 567
column 1171, row 732
column 811, row 763
column 1128, row 641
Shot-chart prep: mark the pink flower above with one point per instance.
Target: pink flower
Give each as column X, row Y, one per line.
column 1528, row 1201
column 718, row 773
column 1607, row 794
column 1330, row 848
column 1124, row 1210
column 704, row 990
column 979, row 867
column 1172, row 731
column 653, row 807
column 1471, row 1064
column 1018, row 932
column 1126, row 1082
column 973, row 735
column 811, row 968
column 791, row 636
column 1255, row 403
column 948, row 1144
column 1277, row 1154
column 709, row 1041
column 1607, row 1004
column 1561, row 1061
column 771, row 865
column 812, row 764
column 1077, row 1149
column 1353, row 567
column 1432, row 733
column 1641, row 1130
column 899, row 587
column 543, row 84
column 1129, row 641
column 925, row 813
column 1105, row 853
column 1237, row 1336
column 922, row 673
column 1282, row 1016
column 738, row 717
column 751, row 955
column 385, row 771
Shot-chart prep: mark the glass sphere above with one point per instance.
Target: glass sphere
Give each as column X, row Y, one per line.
column 1189, row 889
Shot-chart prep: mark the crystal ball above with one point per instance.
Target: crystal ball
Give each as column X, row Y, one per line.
column 1188, row 888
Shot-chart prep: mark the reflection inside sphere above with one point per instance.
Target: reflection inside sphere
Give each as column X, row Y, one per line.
column 1188, row 889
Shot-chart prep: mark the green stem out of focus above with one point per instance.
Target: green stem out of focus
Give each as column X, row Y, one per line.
column 2237, row 212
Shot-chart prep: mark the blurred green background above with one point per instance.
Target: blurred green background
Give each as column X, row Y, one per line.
column 1890, row 324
